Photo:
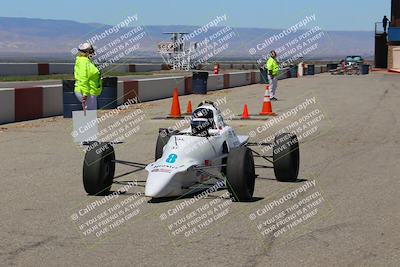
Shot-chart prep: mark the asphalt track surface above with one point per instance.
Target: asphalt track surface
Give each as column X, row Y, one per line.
column 353, row 158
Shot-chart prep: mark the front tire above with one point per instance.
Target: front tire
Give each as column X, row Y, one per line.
column 240, row 174
column 98, row 169
column 286, row 157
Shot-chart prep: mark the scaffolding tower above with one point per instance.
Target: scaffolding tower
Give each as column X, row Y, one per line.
column 176, row 52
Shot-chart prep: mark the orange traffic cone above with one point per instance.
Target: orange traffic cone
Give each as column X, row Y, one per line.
column 189, row 107
column 267, row 107
column 245, row 114
column 175, row 107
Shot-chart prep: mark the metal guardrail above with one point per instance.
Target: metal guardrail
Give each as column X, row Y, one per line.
column 379, row 28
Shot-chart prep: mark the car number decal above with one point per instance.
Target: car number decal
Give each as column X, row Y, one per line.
column 171, row 158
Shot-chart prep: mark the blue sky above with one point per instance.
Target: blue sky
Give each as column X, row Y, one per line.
column 331, row 15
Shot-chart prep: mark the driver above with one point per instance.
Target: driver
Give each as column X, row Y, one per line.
column 202, row 121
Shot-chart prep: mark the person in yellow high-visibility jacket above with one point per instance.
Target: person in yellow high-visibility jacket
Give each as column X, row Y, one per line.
column 272, row 69
column 87, row 77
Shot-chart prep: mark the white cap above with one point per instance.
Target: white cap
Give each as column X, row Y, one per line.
column 85, row 47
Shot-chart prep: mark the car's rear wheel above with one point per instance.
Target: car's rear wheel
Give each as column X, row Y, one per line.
column 286, row 157
column 240, row 174
column 98, row 169
column 162, row 140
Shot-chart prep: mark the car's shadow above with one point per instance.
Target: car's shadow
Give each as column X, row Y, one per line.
column 301, row 180
column 188, row 195
column 135, row 182
column 169, row 199
column 196, row 193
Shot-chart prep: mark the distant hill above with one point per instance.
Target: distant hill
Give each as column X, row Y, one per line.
column 27, row 39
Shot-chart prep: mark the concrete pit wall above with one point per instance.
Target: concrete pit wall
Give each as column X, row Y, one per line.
column 158, row 88
column 7, row 104
column 215, row 82
column 18, row 69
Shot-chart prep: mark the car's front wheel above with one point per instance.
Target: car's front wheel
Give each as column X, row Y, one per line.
column 98, row 169
column 286, row 157
column 240, row 174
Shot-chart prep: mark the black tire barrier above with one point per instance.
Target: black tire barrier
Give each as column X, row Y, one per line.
column 365, row 69
column 70, row 98
column 332, row 66
column 110, row 82
column 70, row 101
column 108, row 92
column 293, row 71
column 68, row 85
column 68, row 108
column 199, row 82
column 108, row 97
column 310, row 70
column 106, row 100
column 263, row 76
column 106, row 103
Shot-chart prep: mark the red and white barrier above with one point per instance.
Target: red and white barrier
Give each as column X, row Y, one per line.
column 28, row 103
column 7, row 105
column 20, row 104
column 25, row 69
column 52, row 100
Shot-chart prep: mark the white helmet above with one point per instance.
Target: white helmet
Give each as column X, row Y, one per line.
column 85, row 47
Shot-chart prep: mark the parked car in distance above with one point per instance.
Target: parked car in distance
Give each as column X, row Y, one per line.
column 352, row 60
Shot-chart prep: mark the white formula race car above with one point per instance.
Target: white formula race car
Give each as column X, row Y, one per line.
column 207, row 152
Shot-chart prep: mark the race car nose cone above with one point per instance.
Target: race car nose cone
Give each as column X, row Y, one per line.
column 154, row 192
column 160, row 185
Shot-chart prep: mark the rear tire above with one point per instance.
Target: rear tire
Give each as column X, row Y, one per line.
column 162, row 140
column 240, row 174
column 98, row 169
column 286, row 156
